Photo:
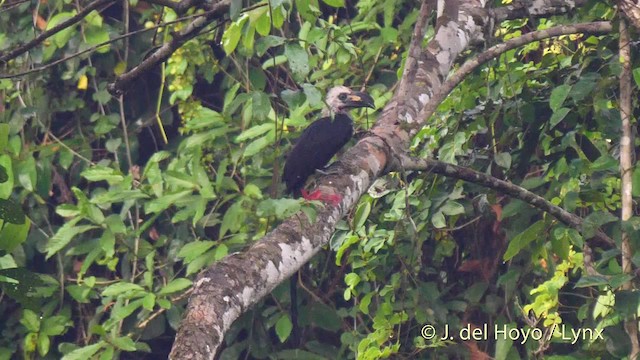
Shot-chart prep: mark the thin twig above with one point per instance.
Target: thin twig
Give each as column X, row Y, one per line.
column 54, row 30
column 537, row 201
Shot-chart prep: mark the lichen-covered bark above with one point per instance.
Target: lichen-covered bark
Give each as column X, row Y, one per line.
column 232, row 285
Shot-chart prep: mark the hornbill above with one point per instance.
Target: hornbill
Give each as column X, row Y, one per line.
column 319, row 142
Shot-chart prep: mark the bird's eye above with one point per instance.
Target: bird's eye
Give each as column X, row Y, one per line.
column 342, row 96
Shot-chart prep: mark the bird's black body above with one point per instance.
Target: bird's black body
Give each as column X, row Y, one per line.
column 319, row 142
column 315, row 147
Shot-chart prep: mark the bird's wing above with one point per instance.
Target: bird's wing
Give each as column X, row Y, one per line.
column 317, row 144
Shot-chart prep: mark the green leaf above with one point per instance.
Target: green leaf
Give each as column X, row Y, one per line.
column 162, row 203
column 451, row 208
column 233, row 218
column 259, row 144
column 591, row 280
column 4, row 138
column 30, row 320
column 194, row 249
column 102, row 173
column 260, row 105
column 64, row 235
column 503, row 160
column 281, row 208
column 55, row 325
column 12, row 235
column 558, row 96
column 175, row 286
column 361, row 215
column 267, row 42
column 636, row 76
column 43, row 344
column 313, row 95
column 558, row 116
column 6, row 187
column 298, row 59
column 62, row 37
column 253, row 132
column 283, row 328
column 523, row 239
column 334, row 3
column 231, row 36
column 121, row 288
column 124, row 343
column 593, row 221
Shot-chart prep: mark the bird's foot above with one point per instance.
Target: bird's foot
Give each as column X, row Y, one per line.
column 333, row 199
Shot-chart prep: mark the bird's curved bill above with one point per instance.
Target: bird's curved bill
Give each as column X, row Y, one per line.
column 360, row 99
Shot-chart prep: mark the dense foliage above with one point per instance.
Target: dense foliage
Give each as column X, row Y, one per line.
column 105, row 225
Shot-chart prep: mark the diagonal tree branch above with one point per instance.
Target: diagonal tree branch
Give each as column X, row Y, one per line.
column 505, row 187
column 12, row 54
column 215, row 12
column 596, row 28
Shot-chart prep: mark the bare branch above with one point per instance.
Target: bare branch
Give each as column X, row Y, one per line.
column 463, row 173
column 54, row 30
column 626, row 169
column 216, row 12
column 596, row 28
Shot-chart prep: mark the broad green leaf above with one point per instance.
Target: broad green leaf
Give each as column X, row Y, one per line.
column 233, row 218
column 361, row 215
column 4, row 137
column 259, row 144
column 558, row 96
column 503, row 160
column 194, row 249
column 254, row 132
column 313, row 95
column 85, row 352
column 283, row 328
column 523, row 239
column 102, row 173
column 334, row 3
column 591, row 280
column 163, row 203
column 12, row 235
column 124, row 343
column 43, row 344
column 267, row 42
column 298, row 59
column 451, row 208
column 64, row 235
column 6, row 187
column 175, row 286
column 121, row 288
column 62, row 37
column 97, row 35
column 558, row 116
column 231, row 36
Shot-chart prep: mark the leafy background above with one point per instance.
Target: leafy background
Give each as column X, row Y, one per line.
column 104, row 225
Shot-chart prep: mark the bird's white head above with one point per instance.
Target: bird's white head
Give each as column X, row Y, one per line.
column 341, row 98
